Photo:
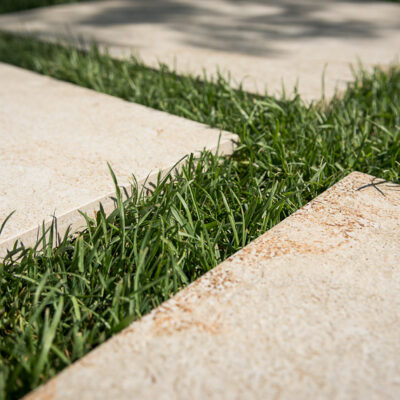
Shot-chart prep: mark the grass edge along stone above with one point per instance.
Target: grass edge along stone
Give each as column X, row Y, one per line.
column 60, row 303
column 275, row 62
column 83, row 134
column 324, row 279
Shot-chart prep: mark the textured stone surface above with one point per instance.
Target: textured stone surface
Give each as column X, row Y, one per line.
column 262, row 43
column 56, row 140
column 310, row 310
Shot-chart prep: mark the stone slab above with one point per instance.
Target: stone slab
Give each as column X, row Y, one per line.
column 262, row 43
column 310, row 310
column 56, row 139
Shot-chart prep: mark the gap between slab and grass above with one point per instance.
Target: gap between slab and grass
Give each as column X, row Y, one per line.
column 58, row 304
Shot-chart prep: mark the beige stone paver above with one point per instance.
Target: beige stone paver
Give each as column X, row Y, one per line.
column 310, row 310
column 55, row 142
column 262, row 43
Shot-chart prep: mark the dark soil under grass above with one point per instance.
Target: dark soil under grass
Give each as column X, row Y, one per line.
column 58, row 304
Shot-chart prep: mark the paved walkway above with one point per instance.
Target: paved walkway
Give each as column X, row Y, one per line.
column 310, row 310
column 262, row 43
column 55, row 142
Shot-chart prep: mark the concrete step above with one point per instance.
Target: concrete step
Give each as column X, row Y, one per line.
column 263, row 44
column 310, row 310
column 55, row 142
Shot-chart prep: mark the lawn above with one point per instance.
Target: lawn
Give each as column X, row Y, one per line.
column 58, row 304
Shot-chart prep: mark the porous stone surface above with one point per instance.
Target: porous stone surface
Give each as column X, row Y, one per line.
column 310, row 310
column 261, row 43
column 55, row 142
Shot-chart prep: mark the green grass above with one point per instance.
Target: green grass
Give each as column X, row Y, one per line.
column 7, row 6
column 58, row 304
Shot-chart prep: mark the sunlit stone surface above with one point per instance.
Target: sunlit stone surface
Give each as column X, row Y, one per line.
column 310, row 310
column 55, row 142
column 261, row 43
